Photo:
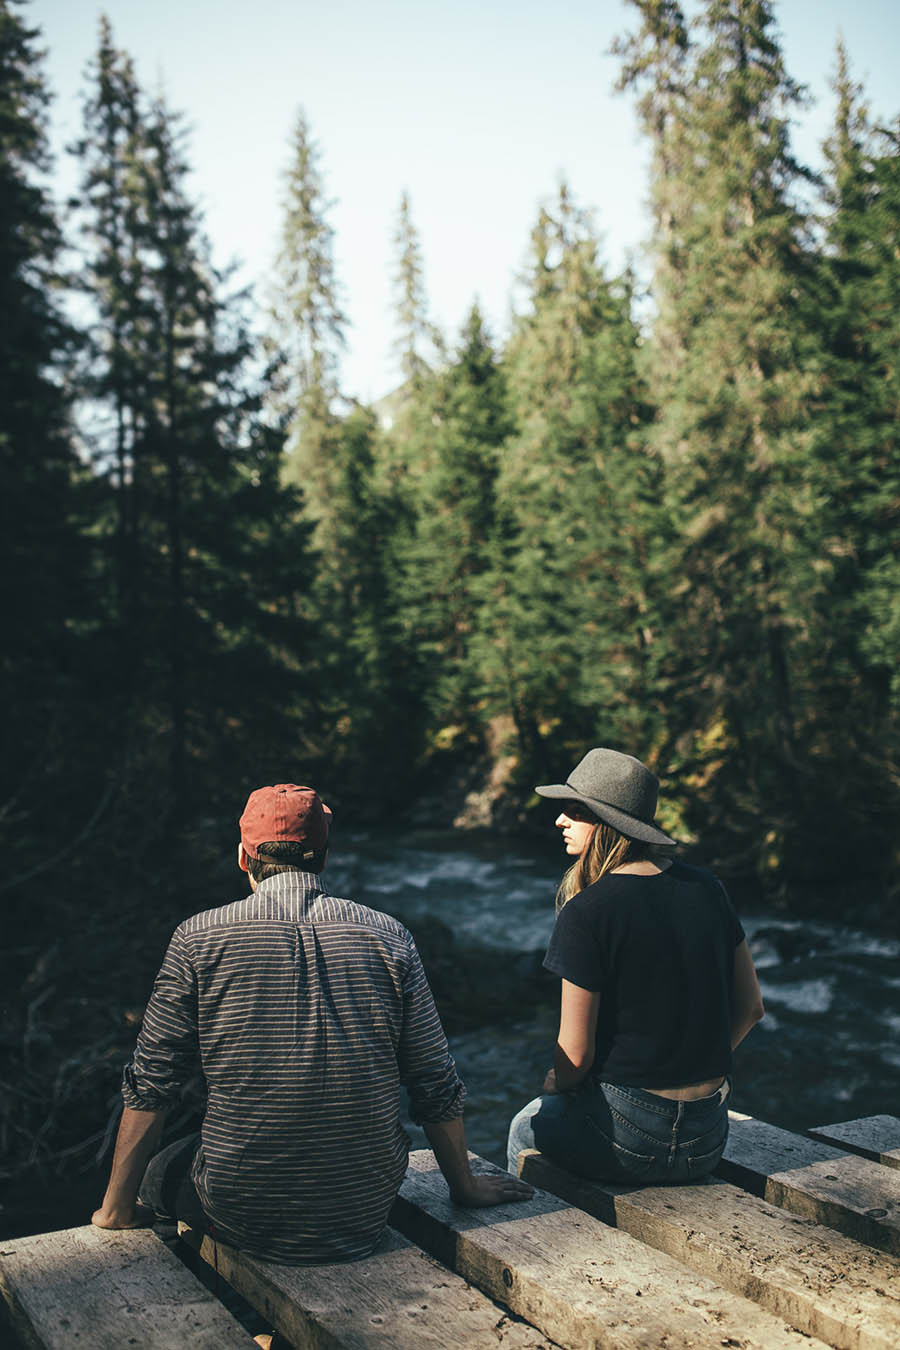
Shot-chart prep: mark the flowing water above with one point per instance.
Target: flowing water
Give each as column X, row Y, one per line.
column 827, row 1050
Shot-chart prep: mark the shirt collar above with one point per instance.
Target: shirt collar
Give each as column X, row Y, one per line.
column 292, row 892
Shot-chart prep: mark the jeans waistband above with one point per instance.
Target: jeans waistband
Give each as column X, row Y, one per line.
column 670, row 1105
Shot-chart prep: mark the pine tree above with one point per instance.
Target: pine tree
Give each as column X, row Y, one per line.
column 462, row 421
column 656, row 60
column 372, row 722
column 735, row 280
column 414, row 331
column 856, row 469
column 43, row 564
column 309, row 323
column 107, row 208
column 565, row 629
column 407, row 451
column 171, row 365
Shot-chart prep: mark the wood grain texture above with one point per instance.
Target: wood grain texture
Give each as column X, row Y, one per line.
column 818, row 1280
column 874, row 1137
column 851, row 1194
column 108, row 1291
column 396, row 1299
column 583, row 1283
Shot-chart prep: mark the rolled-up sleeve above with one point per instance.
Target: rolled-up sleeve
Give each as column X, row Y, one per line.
column 167, row 1046
column 427, row 1069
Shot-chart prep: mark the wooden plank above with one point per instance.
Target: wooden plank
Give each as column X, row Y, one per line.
column 818, row 1280
column 875, row 1137
column 815, row 1180
column 583, row 1283
column 107, row 1290
column 396, row 1299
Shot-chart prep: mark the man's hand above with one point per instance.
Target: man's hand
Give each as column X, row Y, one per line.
column 491, row 1190
column 448, row 1139
column 137, row 1217
column 550, row 1087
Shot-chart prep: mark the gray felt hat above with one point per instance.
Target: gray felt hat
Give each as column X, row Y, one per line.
column 617, row 788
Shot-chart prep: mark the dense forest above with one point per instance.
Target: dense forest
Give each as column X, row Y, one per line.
column 665, row 523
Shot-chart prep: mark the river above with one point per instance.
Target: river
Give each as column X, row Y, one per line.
column 827, row 1050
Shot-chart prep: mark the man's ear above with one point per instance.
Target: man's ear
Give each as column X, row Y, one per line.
column 242, row 859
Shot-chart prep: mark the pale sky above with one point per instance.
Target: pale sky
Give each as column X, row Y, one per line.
column 476, row 108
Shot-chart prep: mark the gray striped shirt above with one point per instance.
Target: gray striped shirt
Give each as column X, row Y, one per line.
column 307, row 1012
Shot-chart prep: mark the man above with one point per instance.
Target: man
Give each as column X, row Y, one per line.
column 307, row 1013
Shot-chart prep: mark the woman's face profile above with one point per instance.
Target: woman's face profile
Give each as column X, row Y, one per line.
column 577, row 825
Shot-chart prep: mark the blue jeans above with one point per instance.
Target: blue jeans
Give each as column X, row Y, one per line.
column 167, row 1187
column 623, row 1134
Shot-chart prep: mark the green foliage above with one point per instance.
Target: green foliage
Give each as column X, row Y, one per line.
column 736, row 364
column 192, row 468
column 413, row 328
column 308, row 313
column 44, row 551
column 856, row 468
column 371, row 722
column 452, row 449
column 678, row 539
column 563, row 642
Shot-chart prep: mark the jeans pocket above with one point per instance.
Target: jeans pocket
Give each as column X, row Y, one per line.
column 624, row 1159
column 701, row 1164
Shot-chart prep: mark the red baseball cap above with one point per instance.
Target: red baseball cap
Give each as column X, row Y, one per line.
column 284, row 812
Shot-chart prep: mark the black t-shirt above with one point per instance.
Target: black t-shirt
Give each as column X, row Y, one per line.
column 660, row 952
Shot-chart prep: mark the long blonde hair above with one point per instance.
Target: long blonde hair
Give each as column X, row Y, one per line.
column 606, row 850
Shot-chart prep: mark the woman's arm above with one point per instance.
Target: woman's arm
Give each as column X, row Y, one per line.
column 747, row 1006
column 577, row 1035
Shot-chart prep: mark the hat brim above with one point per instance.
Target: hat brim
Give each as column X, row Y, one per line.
column 628, row 825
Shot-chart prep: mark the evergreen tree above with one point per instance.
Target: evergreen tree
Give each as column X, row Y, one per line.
column 563, row 637
column 462, row 422
column 309, row 322
column 372, row 724
column 856, row 469
column 333, row 456
column 407, row 451
column 733, row 421
column 657, row 61
column 413, row 328
column 43, row 563
column 188, row 439
column 109, row 154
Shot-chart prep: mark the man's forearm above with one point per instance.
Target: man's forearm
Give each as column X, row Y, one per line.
column 448, row 1141
column 136, row 1142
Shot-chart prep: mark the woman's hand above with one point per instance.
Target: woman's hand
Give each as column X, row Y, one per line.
column 550, row 1088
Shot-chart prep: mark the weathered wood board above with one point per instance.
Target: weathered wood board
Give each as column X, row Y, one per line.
column 812, row 1179
column 396, row 1299
column 583, row 1283
column 875, row 1137
column 818, row 1280
column 109, row 1290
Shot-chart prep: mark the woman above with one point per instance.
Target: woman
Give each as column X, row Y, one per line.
column 658, row 987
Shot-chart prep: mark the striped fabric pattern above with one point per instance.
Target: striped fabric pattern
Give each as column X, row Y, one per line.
column 308, row 1012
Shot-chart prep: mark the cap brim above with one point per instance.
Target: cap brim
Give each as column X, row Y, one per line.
column 628, row 825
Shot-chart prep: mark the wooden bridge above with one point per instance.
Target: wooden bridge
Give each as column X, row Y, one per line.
column 794, row 1243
